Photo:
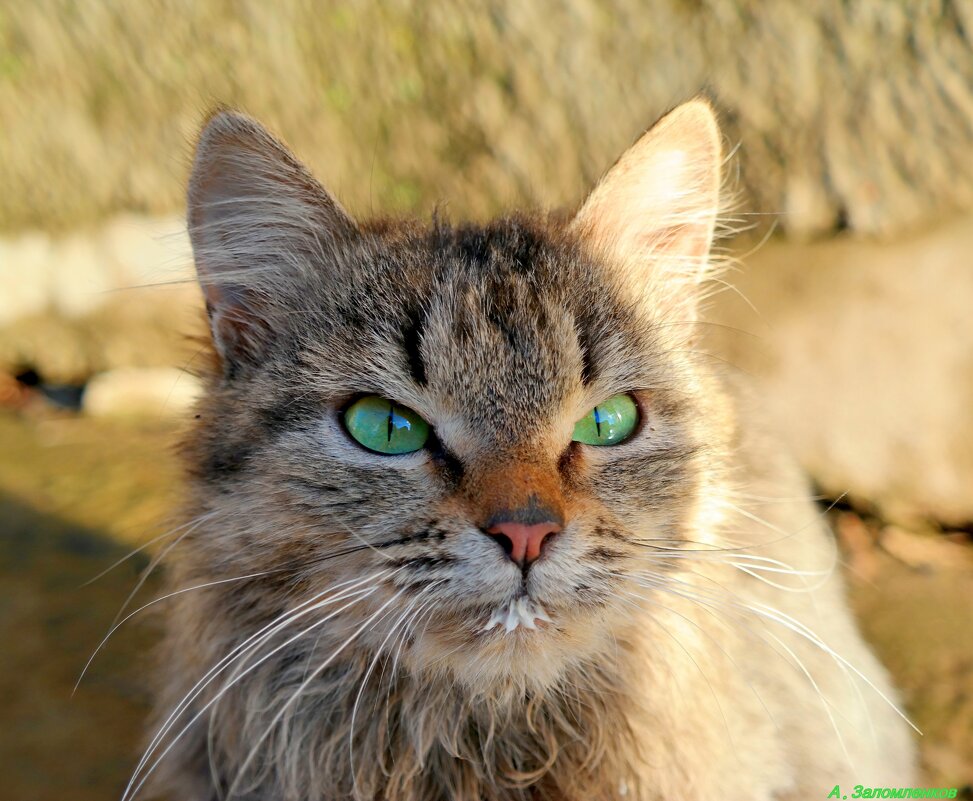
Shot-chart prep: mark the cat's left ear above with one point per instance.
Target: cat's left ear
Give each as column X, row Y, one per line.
column 654, row 213
column 261, row 227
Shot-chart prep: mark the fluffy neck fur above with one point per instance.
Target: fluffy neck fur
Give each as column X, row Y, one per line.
column 364, row 734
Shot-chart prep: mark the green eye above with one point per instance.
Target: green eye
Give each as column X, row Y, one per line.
column 609, row 423
column 384, row 427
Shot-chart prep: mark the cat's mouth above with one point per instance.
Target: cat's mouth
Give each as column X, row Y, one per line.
column 521, row 612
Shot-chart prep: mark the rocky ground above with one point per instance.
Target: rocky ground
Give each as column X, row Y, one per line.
column 76, row 494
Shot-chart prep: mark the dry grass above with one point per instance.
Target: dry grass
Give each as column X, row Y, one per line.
column 855, row 113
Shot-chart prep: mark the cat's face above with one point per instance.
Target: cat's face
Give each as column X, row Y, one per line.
column 498, row 544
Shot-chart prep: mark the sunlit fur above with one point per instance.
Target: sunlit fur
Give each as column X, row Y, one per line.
column 699, row 646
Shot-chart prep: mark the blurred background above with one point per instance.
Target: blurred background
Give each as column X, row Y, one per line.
column 849, row 128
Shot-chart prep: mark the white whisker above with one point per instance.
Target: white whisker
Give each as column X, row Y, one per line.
column 149, row 544
column 241, row 772
column 351, row 588
column 142, row 608
column 157, row 559
column 408, row 614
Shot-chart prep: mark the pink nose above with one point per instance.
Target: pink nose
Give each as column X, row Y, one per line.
column 523, row 542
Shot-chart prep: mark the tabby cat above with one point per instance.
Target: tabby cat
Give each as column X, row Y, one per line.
column 472, row 517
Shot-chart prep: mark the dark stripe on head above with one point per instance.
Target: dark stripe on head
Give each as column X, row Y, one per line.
column 589, row 371
column 411, row 341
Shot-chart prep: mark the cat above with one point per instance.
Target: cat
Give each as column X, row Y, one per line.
column 470, row 517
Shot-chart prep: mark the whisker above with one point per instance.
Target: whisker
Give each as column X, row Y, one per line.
column 241, row 772
column 756, row 566
column 142, row 608
column 149, row 544
column 775, row 615
column 156, row 561
column 709, row 684
column 407, row 613
column 361, row 595
column 351, row 588
column 807, row 633
column 714, row 641
column 712, row 607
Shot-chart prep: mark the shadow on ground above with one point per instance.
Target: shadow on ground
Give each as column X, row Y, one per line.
column 53, row 745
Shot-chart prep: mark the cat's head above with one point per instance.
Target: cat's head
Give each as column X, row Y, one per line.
column 481, row 429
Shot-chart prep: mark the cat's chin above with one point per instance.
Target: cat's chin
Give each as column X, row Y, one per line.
column 521, row 643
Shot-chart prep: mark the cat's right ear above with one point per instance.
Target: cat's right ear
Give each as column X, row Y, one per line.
column 654, row 212
column 259, row 223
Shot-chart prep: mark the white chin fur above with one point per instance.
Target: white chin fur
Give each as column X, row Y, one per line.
column 519, row 612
